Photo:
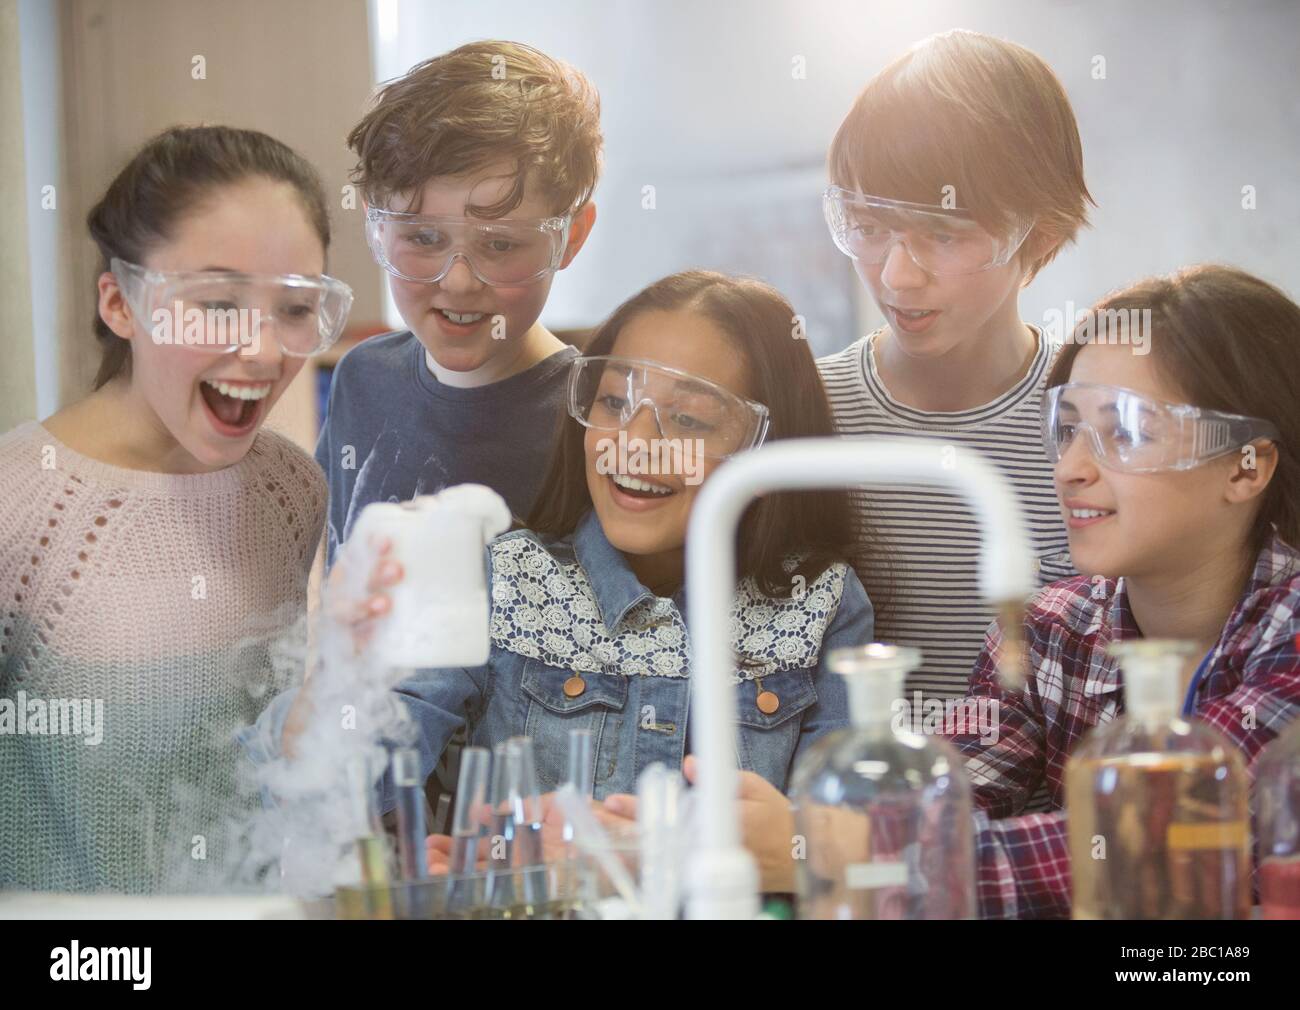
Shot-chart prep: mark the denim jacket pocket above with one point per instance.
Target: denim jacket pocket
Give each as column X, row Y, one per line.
column 769, row 712
column 551, row 713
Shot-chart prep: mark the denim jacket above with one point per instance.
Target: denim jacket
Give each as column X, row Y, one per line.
column 579, row 643
column 571, row 611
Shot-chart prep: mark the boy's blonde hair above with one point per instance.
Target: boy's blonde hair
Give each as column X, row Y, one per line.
column 478, row 105
column 979, row 114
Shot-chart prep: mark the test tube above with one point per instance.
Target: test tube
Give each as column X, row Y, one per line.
column 581, row 772
column 471, row 804
column 498, row 888
column 526, row 811
column 371, row 848
column 409, row 785
column 581, row 763
column 659, row 823
column 371, row 842
column 470, row 818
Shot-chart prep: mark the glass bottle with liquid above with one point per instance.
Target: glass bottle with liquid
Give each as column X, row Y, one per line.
column 1157, row 806
column 883, row 826
column 1277, row 792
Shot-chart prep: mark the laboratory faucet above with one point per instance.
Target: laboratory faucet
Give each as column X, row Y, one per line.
column 721, row 876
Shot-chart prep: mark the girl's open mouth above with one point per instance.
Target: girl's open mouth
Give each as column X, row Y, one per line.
column 1078, row 518
column 637, row 494
column 235, row 409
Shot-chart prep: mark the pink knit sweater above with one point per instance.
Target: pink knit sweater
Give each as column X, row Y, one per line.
column 137, row 615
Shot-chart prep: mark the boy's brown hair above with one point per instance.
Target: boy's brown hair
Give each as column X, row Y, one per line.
column 983, row 115
column 478, row 105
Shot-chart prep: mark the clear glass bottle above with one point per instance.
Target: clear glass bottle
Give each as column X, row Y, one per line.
column 1157, row 807
column 882, row 815
column 1277, row 792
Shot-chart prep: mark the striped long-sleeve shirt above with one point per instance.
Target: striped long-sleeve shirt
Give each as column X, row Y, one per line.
column 927, row 538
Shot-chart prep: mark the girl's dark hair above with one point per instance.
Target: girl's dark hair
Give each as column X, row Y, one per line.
column 1229, row 341
column 169, row 178
column 760, row 323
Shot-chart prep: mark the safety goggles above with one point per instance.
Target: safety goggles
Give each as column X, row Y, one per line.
column 222, row 311
column 940, row 241
column 606, row 392
column 501, row 252
column 1137, row 434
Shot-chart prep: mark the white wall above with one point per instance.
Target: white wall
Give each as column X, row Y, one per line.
column 39, row 39
column 1199, row 100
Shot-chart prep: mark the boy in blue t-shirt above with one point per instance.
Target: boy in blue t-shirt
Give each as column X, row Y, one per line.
column 477, row 170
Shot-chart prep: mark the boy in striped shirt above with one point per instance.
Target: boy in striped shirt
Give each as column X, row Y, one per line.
column 956, row 177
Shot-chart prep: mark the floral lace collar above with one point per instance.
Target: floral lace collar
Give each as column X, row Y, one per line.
column 554, row 609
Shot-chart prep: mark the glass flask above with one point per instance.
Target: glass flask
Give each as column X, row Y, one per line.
column 883, row 815
column 1156, row 806
column 1277, row 792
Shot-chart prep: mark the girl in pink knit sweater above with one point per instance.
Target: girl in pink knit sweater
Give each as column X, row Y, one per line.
column 154, row 539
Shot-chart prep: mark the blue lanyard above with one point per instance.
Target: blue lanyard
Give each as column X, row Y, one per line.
column 1189, row 703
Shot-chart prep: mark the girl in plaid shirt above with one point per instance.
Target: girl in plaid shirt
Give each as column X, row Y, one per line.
column 1178, row 480
column 1179, row 483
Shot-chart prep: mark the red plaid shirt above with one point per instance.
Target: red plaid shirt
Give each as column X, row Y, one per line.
column 1249, row 691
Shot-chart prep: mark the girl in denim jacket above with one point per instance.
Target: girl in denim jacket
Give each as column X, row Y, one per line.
column 588, row 599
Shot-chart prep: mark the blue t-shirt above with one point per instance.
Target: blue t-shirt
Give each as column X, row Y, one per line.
column 393, row 431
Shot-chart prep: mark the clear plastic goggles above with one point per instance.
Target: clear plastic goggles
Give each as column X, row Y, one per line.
column 606, row 392
column 939, row 241
column 500, row 252
column 1136, row 434
column 222, row 311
